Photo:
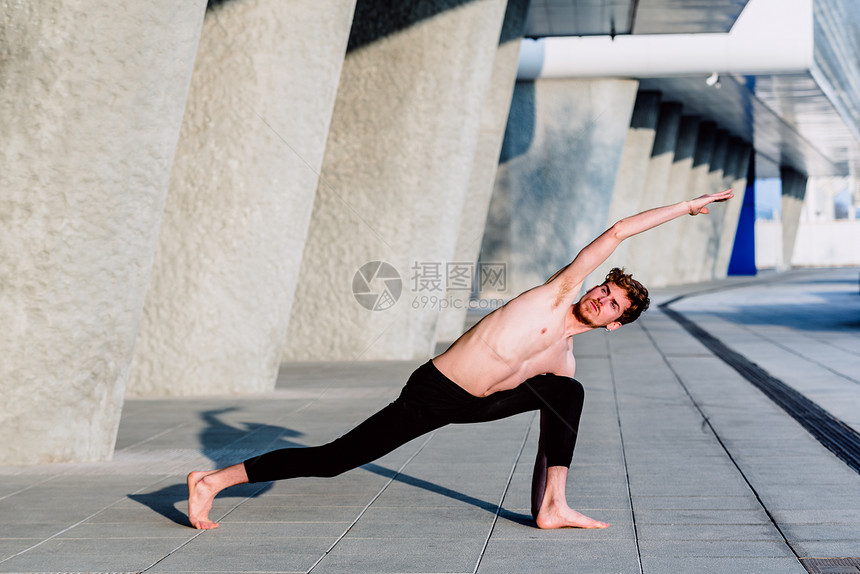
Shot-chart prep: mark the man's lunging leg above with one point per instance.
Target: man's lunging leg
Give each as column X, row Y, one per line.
column 394, row 425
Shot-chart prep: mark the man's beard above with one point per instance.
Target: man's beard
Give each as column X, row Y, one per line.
column 577, row 312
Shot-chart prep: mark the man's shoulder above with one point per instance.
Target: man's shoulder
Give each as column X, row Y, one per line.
column 549, row 296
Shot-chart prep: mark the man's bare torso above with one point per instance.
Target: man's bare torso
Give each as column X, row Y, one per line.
column 529, row 336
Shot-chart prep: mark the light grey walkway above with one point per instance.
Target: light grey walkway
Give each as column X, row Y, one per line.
column 694, row 467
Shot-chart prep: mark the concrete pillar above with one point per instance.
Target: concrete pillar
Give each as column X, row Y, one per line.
column 662, row 264
column 477, row 201
column 709, row 229
column 737, row 167
column 632, row 175
column 240, row 198
column 394, row 177
column 92, row 98
column 793, row 192
column 641, row 248
column 690, row 239
column 559, row 164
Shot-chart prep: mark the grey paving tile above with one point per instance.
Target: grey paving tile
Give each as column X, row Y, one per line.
column 720, row 565
column 16, row 528
column 430, row 522
column 715, row 549
column 89, row 555
column 11, row 546
column 402, row 555
column 575, row 556
column 848, row 548
column 704, row 502
column 128, row 529
column 275, row 512
column 239, row 550
column 708, row 532
column 822, row 532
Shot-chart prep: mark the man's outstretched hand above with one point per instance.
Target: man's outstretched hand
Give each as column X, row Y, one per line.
column 697, row 206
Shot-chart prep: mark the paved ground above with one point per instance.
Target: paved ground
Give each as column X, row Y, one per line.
column 696, row 469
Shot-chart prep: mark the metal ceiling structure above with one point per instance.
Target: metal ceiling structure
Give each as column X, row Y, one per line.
column 615, row 17
column 807, row 118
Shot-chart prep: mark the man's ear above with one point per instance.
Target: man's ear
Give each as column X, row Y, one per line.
column 613, row 325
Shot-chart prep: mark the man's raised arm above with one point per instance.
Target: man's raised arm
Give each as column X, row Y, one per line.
column 601, row 248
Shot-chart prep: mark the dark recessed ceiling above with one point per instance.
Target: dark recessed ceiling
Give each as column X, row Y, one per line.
column 615, row 17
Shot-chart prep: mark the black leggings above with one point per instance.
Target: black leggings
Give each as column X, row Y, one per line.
column 427, row 402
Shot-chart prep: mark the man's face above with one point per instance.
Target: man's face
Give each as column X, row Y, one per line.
column 602, row 306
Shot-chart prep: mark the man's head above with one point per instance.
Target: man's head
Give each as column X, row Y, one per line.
column 635, row 291
column 618, row 300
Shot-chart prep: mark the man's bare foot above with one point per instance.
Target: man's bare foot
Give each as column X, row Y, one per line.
column 200, row 501
column 562, row 516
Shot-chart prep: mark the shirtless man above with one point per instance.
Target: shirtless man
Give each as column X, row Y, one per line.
column 516, row 359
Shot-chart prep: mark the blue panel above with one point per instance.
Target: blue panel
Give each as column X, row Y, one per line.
column 743, row 251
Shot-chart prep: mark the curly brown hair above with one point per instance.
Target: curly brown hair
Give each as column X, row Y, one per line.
column 636, row 292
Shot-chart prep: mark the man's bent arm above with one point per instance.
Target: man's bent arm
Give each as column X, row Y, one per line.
column 601, row 248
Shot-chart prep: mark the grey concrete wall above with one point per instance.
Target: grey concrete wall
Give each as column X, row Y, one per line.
column 690, row 238
column 656, row 190
column 92, row 99
column 240, row 197
column 793, row 193
column 476, row 203
column 629, row 193
column 709, row 229
column 559, row 163
column 663, row 265
column 396, row 170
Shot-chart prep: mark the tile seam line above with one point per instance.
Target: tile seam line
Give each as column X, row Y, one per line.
column 626, row 468
column 505, row 492
column 707, row 421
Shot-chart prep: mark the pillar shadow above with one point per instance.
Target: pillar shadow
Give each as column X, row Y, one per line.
column 374, row 20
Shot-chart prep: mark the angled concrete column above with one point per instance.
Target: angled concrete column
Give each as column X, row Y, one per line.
column 737, row 167
column 662, row 264
column 690, row 239
column 477, row 200
column 240, row 197
column 793, row 192
column 656, row 189
column 93, row 98
column 709, row 230
column 394, row 177
column 632, row 175
column 559, row 164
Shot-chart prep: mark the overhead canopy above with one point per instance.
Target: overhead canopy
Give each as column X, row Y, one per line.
column 782, row 74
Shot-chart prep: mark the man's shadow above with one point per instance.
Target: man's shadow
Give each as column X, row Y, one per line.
column 225, row 444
